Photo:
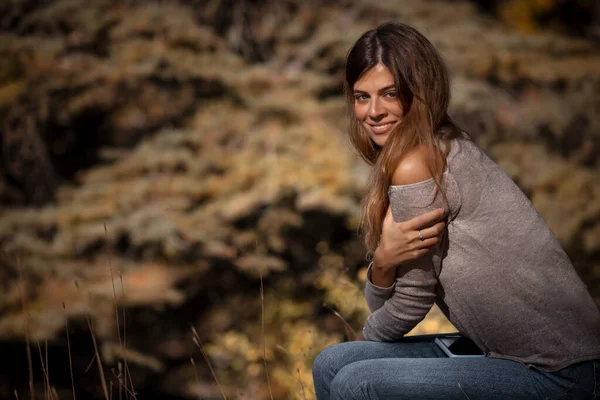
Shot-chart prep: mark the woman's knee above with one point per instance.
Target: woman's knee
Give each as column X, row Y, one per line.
column 351, row 383
column 335, row 357
column 326, row 362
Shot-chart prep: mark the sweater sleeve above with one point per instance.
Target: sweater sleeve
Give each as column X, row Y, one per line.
column 376, row 295
column 399, row 308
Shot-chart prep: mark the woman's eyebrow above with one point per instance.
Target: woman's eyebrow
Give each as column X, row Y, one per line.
column 392, row 86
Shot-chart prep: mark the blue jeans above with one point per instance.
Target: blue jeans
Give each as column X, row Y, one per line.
column 415, row 368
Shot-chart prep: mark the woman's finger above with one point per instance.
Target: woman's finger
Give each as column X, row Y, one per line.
column 433, row 231
column 427, row 244
column 416, row 254
column 425, row 220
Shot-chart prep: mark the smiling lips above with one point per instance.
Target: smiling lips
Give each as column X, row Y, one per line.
column 382, row 128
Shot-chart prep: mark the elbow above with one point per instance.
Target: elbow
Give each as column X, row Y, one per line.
column 391, row 330
column 385, row 325
column 375, row 303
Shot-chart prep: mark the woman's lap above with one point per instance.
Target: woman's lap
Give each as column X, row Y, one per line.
column 433, row 378
column 418, row 369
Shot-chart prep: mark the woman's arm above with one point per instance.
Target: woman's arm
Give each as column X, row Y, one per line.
column 412, row 297
column 400, row 242
column 399, row 245
column 413, row 293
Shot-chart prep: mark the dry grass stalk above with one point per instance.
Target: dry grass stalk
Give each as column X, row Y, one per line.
column 45, row 373
column 195, row 373
column 127, row 372
column 198, row 342
column 98, row 360
column 69, row 349
column 122, row 342
column 31, row 387
column 27, row 341
column 124, row 377
column 96, row 354
column 119, row 377
column 47, row 366
column 301, row 384
column 120, row 366
column 123, row 380
column 262, row 304
column 90, row 364
column 346, row 324
column 47, row 369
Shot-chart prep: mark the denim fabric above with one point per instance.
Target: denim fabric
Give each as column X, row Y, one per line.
column 415, row 368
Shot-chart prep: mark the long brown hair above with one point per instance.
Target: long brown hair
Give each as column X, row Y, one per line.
column 423, row 90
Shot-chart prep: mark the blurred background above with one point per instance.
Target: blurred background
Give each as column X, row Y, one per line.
column 177, row 189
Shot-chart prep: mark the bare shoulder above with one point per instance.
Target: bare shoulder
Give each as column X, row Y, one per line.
column 412, row 168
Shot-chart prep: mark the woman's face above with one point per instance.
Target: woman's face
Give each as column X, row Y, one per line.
column 376, row 104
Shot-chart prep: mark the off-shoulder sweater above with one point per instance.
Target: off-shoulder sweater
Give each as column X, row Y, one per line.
column 499, row 274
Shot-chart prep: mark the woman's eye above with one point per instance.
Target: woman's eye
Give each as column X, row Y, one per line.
column 361, row 97
column 390, row 94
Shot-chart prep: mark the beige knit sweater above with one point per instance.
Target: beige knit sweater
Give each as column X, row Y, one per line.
column 499, row 275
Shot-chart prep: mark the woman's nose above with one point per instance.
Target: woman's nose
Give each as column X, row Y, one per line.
column 376, row 110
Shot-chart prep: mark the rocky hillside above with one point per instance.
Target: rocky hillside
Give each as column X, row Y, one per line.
column 171, row 167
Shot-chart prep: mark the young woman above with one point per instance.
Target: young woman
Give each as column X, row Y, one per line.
column 496, row 271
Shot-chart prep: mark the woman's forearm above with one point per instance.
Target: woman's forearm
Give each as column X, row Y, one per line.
column 412, row 297
column 404, row 242
column 382, row 275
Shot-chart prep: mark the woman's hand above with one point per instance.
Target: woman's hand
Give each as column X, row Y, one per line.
column 402, row 242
